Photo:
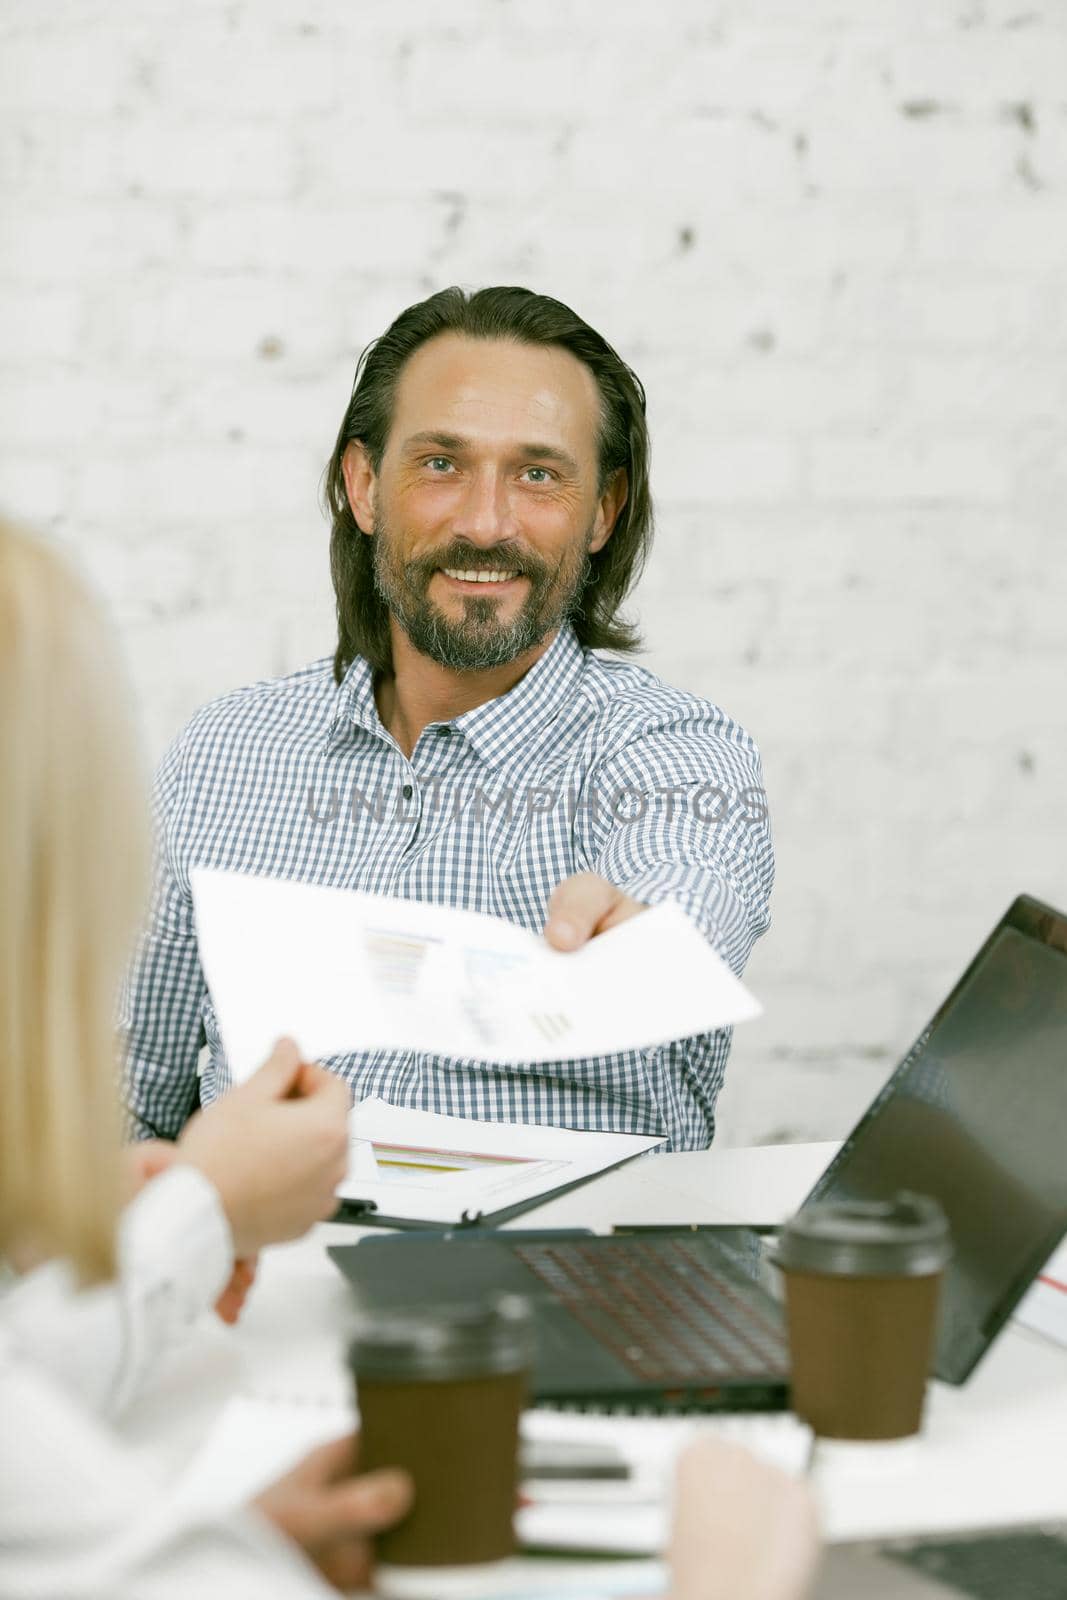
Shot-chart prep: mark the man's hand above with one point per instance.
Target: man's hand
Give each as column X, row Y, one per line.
column 145, row 1161
column 583, row 906
column 742, row 1530
column 275, row 1148
column 331, row 1514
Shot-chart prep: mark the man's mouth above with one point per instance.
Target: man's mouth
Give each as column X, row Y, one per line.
column 461, row 575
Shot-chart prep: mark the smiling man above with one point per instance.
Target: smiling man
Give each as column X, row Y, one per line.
column 465, row 745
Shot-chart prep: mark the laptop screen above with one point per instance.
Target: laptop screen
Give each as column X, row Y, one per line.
column 976, row 1114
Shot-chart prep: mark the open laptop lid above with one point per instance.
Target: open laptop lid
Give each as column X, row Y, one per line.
column 976, row 1114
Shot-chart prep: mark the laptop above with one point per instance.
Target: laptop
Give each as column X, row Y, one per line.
column 689, row 1319
column 1023, row 1563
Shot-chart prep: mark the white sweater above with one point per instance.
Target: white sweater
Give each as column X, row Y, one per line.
column 80, row 1515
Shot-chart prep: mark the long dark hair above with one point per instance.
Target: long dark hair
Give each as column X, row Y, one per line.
column 527, row 318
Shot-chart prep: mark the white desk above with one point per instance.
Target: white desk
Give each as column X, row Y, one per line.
column 993, row 1452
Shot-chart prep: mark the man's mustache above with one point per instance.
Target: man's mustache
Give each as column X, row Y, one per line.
column 470, row 558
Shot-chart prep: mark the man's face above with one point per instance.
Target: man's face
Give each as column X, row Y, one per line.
column 486, row 509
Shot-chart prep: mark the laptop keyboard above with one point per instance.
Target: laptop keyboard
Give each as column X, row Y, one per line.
column 671, row 1310
column 1024, row 1566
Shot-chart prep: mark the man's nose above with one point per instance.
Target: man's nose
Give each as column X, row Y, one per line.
column 484, row 515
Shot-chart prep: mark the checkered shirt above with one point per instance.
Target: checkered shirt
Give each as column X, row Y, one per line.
column 589, row 763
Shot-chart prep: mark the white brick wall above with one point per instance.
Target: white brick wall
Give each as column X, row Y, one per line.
column 832, row 240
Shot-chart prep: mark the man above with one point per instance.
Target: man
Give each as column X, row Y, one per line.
column 491, row 510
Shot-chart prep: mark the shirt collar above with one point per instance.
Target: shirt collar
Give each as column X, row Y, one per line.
column 494, row 729
column 353, row 702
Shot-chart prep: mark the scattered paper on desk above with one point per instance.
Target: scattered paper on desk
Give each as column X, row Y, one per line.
column 632, row 1516
column 526, row 1578
column 339, row 970
column 1044, row 1306
column 421, row 1166
column 255, row 1441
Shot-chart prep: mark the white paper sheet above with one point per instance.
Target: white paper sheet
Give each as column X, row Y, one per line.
column 424, row 1167
column 339, row 970
column 1044, row 1306
column 256, row 1441
column 631, row 1516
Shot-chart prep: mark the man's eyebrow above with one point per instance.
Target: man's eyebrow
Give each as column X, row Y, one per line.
column 447, row 441
column 455, row 441
column 550, row 452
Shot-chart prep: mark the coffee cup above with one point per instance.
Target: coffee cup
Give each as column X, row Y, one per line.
column 440, row 1392
column 862, row 1284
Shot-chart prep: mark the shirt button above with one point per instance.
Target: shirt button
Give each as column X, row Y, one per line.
column 408, row 791
column 445, row 732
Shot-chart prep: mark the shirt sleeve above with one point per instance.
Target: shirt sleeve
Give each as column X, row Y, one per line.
column 83, row 1516
column 679, row 812
column 160, row 1014
column 175, row 1256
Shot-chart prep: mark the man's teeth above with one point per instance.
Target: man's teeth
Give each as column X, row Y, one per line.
column 479, row 577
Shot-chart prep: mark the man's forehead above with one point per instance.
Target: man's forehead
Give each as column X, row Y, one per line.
column 498, row 391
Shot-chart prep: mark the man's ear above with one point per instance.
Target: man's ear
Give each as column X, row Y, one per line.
column 609, row 507
column 361, row 484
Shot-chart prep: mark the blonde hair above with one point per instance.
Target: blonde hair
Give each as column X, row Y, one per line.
column 73, row 871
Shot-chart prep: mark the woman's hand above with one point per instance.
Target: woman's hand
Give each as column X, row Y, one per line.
column 145, row 1161
column 275, row 1148
column 742, row 1530
column 231, row 1302
column 331, row 1514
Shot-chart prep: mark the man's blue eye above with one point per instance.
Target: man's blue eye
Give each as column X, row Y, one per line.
column 435, row 461
column 544, row 478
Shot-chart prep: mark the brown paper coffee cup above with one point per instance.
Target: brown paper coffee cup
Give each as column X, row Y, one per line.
column 862, row 1284
column 440, row 1393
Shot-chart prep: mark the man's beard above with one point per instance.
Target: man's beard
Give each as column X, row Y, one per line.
column 479, row 640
